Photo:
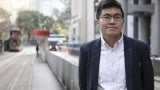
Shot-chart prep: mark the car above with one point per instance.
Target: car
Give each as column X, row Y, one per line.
column 53, row 45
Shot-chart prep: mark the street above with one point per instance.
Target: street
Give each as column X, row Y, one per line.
column 16, row 69
column 24, row 71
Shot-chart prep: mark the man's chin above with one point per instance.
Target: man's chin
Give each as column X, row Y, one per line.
column 112, row 34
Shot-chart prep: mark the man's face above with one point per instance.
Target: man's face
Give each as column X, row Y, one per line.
column 110, row 21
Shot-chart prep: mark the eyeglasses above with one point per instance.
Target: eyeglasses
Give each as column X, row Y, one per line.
column 116, row 18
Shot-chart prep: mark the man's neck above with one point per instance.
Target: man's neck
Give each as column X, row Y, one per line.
column 111, row 40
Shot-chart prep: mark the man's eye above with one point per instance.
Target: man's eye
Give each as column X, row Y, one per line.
column 106, row 17
column 117, row 16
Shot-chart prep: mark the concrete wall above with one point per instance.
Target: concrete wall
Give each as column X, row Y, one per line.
column 43, row 47
column 156, row 64
column 65, row 68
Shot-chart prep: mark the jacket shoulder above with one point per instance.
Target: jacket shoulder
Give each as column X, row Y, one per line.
column 90, row 44
column 135, row 42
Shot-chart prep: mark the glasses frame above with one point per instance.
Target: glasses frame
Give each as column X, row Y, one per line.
column 116, row 18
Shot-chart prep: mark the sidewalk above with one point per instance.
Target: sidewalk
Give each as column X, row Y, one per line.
column 157, row 78
column 157, row 82
column 43, row 78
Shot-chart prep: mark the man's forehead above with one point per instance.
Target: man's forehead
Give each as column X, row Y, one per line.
column 111, row 11
column 116, row 14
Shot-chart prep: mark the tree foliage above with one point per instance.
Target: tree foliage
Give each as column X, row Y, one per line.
column 63, row 18
column 47, row 22
column 57, row 24
column 5, row 23
column 29, row 20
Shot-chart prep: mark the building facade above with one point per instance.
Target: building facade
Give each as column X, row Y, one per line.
column 142, row 22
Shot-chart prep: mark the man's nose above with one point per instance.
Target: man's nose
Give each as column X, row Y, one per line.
column 112, row 21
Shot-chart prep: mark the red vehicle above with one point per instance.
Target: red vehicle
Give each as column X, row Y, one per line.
column 15, row 40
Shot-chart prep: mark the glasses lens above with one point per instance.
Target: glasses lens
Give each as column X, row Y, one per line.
column 117, row 18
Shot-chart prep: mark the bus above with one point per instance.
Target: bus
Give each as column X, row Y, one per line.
column 15, row 41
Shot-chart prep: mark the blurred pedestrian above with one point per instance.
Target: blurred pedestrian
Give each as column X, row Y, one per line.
column 114, row 61
column 37, row 50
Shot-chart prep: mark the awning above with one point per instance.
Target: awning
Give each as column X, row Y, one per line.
column 43, row 33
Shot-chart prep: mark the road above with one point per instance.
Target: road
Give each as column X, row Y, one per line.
column 16, row 69
column 24, row 71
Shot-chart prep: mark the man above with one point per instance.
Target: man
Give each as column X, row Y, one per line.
column 37, row 49
column 114, row 61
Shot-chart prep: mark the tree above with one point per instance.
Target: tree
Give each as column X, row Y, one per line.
column 47, row 22
column 5, row 23
column 28, row 21
column 65, row 17
column 62, row 18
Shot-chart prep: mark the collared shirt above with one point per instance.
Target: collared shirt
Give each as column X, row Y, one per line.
column 112, row 66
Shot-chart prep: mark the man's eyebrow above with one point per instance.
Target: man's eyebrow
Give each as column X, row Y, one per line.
column 106, row 15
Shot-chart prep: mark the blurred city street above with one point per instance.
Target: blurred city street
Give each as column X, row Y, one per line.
column 24, row 71
column 40, row 42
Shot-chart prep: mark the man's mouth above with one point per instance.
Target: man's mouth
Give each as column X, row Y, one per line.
column 112, row 27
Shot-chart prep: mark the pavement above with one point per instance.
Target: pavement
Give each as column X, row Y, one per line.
column 157, row 83
column 43, row 78
column 157, row 78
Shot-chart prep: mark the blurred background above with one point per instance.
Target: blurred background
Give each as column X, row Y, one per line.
column 76, row 20
column 28, row 15
column 59, row 26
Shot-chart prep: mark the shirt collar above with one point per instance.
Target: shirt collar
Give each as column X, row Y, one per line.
column 104, row 44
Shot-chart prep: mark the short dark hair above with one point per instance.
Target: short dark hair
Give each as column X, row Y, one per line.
column 108, row 4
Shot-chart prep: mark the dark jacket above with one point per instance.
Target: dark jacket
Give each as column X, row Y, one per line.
column 138, row 66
